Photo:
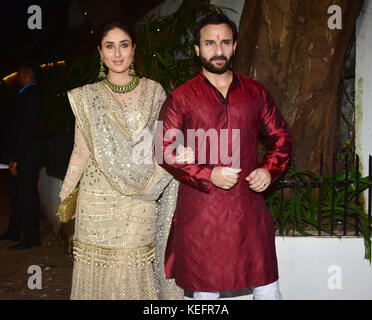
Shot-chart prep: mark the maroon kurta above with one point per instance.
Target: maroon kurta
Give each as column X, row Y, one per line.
column 223, row 239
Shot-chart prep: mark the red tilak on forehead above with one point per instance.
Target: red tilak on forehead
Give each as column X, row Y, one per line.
column 218, row 36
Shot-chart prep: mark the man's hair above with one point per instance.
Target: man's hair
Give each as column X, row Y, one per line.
column 214, row 18
column 31, row 67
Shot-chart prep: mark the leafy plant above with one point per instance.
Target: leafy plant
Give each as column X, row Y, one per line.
column 307, row 210
column 165, row 48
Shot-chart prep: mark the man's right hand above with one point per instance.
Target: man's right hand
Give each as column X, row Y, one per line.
column 225, row 177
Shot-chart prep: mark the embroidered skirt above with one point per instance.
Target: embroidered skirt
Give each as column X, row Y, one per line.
column 113, row 246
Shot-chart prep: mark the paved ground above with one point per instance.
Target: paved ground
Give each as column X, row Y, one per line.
column 52, row 258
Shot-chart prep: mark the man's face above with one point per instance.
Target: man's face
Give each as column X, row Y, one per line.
column 216, row 48
column 23, row 77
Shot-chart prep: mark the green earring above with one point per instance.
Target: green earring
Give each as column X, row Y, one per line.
column 102, row 73
column 132, row 72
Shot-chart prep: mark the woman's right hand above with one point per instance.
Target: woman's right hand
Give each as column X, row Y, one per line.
column 185, row 155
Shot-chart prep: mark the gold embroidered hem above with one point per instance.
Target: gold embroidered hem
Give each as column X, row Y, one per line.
column 130, row 276
column 113, row 257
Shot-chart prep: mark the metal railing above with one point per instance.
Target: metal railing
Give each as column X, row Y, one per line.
column 293, row 186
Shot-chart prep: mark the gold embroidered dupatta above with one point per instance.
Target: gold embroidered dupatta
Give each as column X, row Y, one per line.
column 102, row 121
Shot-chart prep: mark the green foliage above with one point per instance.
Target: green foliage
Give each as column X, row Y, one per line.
column 349, row 72
column 165, row 48
column 300, row 213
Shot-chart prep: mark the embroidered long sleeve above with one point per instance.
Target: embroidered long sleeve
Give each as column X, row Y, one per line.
column 78, row 160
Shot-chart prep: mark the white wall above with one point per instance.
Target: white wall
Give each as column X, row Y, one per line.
column 363, row 85
column 307, row 265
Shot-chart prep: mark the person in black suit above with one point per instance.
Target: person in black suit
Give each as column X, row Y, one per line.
column 26, row 137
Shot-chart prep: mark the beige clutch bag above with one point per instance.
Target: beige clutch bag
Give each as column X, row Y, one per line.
column 67, row 207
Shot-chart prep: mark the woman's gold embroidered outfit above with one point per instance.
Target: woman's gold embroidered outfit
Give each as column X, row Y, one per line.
column 125, row 203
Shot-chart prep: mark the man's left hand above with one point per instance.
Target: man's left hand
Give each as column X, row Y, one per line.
column 259, row 180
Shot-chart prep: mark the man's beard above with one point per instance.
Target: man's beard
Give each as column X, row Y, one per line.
column 209, row 66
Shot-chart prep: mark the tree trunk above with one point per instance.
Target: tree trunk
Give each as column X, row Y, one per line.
column 288, row 46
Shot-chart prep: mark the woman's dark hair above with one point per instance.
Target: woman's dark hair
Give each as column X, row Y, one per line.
column 214, row 18
column 106, row 27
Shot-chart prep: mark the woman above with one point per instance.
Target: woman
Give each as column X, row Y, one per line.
column 119, row 216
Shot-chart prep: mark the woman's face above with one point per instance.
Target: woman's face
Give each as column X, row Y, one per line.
column 117, row 50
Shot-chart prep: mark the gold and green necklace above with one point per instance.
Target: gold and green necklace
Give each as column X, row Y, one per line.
column 124, row 88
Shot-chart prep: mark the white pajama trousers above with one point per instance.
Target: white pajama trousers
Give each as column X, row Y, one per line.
column 267, row 292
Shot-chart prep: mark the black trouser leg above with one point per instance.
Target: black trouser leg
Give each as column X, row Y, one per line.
column 15, row 222
column 28, row 198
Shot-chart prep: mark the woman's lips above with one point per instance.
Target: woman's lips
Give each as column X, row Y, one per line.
column 118, row 62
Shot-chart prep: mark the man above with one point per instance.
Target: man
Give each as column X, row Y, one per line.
column 25, row 143
column 222, row 235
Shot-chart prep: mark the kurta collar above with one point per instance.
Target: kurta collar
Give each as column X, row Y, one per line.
column 25, row 87
column 234, row 81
